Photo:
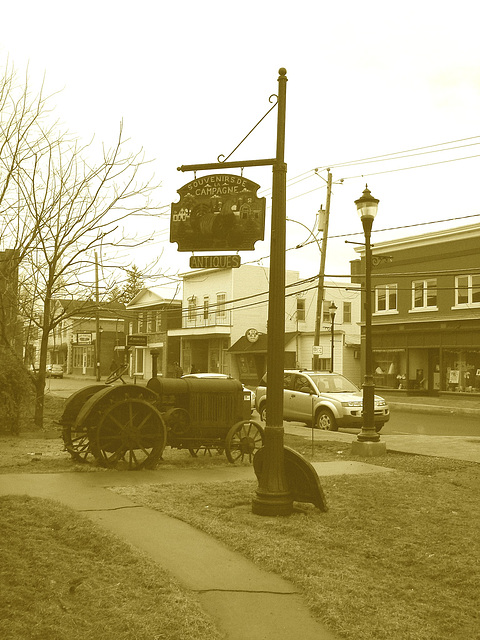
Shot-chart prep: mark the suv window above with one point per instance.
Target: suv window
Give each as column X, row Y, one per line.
column 288, row 381
column 301, row 382
column 333, row 384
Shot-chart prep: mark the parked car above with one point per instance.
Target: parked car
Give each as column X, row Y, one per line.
column 246, row 390
column 329, row 400
column 54, row 371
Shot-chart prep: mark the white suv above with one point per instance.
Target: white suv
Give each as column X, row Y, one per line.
column 328, row 399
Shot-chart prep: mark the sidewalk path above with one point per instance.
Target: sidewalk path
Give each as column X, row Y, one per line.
column 246, row 602
column 460, row 404
column 455, row 447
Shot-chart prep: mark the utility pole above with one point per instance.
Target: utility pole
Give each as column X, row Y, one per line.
column 321, row 274
column 97, row 322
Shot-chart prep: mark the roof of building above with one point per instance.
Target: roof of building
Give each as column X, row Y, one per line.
column 88, row 307
column 152, row 297
column 431, row 237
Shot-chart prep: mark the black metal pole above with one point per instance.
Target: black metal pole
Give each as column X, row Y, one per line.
column 368, row 433
column 272, row 496
column 332, row 345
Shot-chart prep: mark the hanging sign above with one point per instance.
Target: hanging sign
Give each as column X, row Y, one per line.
column 84, row 338
column 215, row 262
column 218, row 212
column 135, row 340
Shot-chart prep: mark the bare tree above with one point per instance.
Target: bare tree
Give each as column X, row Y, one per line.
column 63, row 201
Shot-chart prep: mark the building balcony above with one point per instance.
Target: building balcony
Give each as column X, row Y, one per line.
column 219, row 319
column 203, row 325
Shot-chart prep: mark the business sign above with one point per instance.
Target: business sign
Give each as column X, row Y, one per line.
column 136, row 341
column 215, row 262
column 84, row 338
column 219, row 212
column 317, row 350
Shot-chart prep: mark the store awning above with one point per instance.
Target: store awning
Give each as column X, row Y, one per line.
column 242, row 345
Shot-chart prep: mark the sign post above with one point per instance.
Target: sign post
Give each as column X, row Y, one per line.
column 273, row 496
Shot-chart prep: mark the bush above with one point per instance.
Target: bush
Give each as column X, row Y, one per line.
column 16, row 393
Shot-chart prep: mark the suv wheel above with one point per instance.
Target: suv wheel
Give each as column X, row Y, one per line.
column 325, row 420
column 263, row 413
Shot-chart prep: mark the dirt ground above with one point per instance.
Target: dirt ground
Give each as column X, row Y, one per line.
column 35, row 452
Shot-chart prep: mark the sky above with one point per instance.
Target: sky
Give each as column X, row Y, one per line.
column 190, row 79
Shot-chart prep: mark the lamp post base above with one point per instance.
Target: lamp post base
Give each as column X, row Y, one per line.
column 273, row 497
column 272, row 505
column 367, row 449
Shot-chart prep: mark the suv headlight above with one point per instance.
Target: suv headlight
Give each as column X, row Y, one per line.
column 352, row 403
column 380, row 402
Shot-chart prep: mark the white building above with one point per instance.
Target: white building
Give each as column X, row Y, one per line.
column 224, row 323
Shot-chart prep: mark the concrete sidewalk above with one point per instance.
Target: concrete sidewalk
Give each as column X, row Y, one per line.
column 455, row 447
column 459, row 404
column 246, row 602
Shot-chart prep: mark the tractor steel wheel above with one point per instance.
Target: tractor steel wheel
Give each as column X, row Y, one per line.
column 76, row 443
column 243, row 440
column 129, row 432
column 74, row 435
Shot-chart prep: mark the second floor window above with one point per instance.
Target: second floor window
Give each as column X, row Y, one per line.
column 467, row 290
column 192, row 307
column 325, row 311
column 300, row 309
column 158, row 320
column 221, row 308
column 424, row 294
column 386, row 298
column 347, row 312
column 205, row 307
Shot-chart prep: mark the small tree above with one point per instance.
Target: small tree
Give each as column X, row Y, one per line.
column 132, row 286
column 16, row 392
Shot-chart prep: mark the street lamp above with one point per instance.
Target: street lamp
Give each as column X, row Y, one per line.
column 332, row 310
column 368, row 440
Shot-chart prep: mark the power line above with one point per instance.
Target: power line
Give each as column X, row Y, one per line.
column 418, row 166
column 406, row 151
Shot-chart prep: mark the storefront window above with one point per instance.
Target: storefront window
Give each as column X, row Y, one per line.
column 461, row 370
column 390, row 369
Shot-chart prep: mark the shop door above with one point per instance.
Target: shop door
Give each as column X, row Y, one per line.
column 434, row 370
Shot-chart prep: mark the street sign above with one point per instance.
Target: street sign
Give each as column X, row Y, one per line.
column 218, row 212
column 317, row 350
column 136, row 341
column 215, row 262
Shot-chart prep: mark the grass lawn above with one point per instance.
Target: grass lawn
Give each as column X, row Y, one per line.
column 62, row 578
column 397, row 556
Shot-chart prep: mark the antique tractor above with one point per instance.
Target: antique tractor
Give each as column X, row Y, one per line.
column 130, row 425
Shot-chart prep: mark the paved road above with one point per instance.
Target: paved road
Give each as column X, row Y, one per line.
column 64, row 387
column 402, row 422
column 432, row 425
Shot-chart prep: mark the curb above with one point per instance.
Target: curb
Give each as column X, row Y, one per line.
column 433, row 409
